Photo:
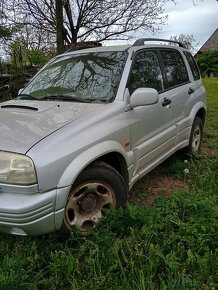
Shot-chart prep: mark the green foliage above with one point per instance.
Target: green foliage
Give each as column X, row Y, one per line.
column 207, row 62
column 37, row 56
column 6, row 32
column 171, row 244
column 24, row 63
column 211, row 85
column 21, row 55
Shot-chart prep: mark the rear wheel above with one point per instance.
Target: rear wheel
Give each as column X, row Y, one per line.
column 98, row 187
column 196, row 136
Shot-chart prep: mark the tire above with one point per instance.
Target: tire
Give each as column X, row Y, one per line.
column 98, row 187
column 196, row 136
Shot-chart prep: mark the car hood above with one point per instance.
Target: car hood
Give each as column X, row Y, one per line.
column 25, row 123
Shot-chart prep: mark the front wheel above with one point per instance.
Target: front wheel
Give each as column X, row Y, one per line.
column 98, row 187
column 196, row 136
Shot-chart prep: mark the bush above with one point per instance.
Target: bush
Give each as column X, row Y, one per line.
column 208, row 62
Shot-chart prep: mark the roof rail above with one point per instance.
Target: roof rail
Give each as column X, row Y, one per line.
column 141, row 41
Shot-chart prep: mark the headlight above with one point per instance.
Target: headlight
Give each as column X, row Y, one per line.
column 16, row 169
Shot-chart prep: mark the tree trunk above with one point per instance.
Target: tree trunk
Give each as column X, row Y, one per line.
column 59, row 26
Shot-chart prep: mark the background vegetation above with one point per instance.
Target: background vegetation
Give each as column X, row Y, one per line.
column 171, row 244
column 62, row 24
column 208, row 62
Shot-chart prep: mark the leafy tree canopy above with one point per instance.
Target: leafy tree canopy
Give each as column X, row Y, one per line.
column 207, row 62
column 5, row 32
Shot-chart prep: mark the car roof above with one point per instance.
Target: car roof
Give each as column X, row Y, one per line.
column 139, row 44
column 99, row 49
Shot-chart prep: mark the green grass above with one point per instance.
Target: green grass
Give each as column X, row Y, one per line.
column 171, row 244
column 211, row 135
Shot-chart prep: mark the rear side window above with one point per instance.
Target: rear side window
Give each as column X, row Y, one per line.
column 193, row 65
column 146, row 72
column 174, row 67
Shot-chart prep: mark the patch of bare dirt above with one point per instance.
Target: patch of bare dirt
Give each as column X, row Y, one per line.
column 208, row 151
column 154, row 184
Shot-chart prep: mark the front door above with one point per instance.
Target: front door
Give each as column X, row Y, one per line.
column 152, row 131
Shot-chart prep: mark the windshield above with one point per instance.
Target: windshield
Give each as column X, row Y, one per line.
column 91, row 77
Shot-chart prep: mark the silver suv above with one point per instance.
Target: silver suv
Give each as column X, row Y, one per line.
column 88, row 126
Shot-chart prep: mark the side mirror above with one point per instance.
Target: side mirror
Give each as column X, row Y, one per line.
column 144, row 97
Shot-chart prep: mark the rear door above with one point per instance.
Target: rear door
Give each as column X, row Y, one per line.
column 177, row 89
column 196, row 87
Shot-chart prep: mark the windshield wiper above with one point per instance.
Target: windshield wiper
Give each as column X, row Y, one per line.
column 64, row 98
column 26, row 97
column 67, row 98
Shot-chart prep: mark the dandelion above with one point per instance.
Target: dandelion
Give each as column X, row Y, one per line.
column 186, row 172
column 185, row 161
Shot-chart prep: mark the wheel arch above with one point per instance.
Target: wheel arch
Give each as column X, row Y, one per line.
column 198, row 110
column 118, row 162
column 110, row 152
column 201, row 113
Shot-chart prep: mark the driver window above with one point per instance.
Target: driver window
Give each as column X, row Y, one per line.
column 146, row 72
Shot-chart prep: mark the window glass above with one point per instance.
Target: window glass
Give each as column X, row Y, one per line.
column 91, row 76
column 193, row 66
column 175, row 70
column 146, row 72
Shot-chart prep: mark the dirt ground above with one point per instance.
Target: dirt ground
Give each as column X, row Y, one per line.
column 156, row 183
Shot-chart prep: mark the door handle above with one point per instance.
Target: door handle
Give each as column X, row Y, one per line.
column 191, row 91
column 166, row 102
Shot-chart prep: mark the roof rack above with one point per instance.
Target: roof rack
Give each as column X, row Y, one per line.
column 141, row 41
column 83, row 45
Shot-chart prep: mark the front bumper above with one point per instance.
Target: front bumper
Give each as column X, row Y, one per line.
column 32, row 214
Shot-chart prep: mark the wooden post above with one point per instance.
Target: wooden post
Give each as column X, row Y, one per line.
column 59, row 26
